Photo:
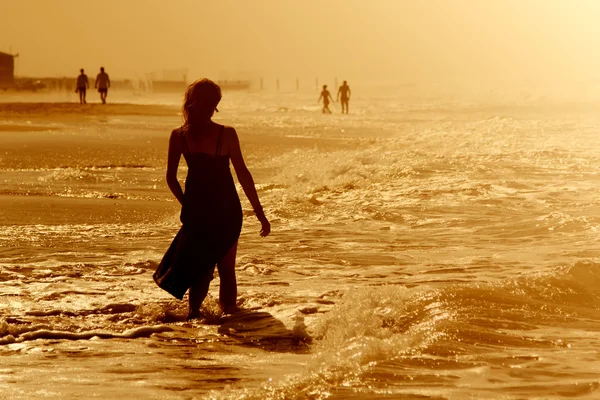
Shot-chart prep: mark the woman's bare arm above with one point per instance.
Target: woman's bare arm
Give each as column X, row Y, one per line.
column 245, row 178
column 175, row 151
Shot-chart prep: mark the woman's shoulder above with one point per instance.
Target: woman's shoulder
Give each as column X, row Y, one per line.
column 178, row 131
column 229, row 132
column 177, row 134
column 230, row 137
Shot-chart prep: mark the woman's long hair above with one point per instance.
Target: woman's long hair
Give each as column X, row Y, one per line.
column 200, row 102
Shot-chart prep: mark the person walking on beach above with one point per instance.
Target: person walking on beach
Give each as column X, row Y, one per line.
column 344, row 91
column 82, row 85
column 102, row 84
column 325, row 95
column 211, row 213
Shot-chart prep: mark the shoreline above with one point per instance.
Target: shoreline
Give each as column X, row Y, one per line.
column 19, row 109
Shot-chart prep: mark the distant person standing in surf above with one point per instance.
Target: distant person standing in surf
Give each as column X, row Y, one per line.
column 82, row 85
column 344, row 91
column 211, row 213
column 325, row 95
column 102, row 84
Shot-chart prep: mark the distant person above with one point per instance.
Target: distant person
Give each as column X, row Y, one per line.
column 344, row 92
column 325, row 95
column 82, row 85
column 102, row 84
column 211, row 212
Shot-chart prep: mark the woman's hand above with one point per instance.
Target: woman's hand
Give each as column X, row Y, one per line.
column 265, row 228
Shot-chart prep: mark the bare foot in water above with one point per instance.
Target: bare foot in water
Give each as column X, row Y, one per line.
column 231, row 309
column 194, row 315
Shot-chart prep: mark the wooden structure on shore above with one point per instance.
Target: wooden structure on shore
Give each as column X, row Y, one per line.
column 234, row 85
column 160, row 86
column 180, row 86
column 7, row 70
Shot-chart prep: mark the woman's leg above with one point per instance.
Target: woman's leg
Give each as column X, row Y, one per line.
column 228, row 289
column 196, row 296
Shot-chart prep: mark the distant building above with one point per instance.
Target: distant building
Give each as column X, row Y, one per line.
column 169, row 86
column 168, row 80
column 7, row 70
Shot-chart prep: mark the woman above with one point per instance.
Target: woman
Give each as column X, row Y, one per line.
column 211, row 212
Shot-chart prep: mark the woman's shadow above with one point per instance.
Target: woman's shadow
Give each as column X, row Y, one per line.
column 260, row 329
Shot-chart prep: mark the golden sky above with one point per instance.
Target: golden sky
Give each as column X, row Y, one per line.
column 398, row 41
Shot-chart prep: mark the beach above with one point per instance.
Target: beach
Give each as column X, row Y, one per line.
column 423, row 247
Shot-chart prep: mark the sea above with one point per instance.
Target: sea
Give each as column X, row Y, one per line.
column 430, row 244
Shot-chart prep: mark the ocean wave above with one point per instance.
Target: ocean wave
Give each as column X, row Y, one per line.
column 449, row 330
column 78, row 174
column 77, row 193
column 36, row 333
column 88, row 261
column 90, row 167
column 120, row 166
column 566, row 223
column 367, row 326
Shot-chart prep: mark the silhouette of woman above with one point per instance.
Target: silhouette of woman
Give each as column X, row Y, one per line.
column 211, row 213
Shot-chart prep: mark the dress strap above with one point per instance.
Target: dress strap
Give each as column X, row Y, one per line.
column 185, row 144
column 218, row 151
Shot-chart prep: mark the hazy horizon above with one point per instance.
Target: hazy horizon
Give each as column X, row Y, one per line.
column 385, row 41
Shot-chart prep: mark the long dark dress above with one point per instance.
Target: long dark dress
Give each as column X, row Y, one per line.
column 212, row 221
